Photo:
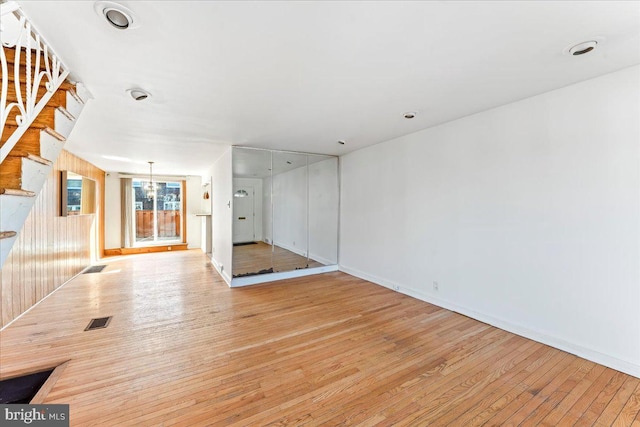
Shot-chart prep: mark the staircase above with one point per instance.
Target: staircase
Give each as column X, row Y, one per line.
column 39, row 113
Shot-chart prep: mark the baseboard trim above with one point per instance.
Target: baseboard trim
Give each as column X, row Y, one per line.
column 221, row 271
column 146, row 249
column 272, row 277
column 559, row 343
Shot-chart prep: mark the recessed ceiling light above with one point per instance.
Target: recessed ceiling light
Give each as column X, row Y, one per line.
column 342, row 142
column 138, row 94
column 410, row 114
column 117, row 15
column 117, row 18
column 582, row 48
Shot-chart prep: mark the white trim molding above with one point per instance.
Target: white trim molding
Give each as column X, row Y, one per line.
column 272, row 277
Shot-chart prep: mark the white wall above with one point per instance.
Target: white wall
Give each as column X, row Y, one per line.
column 221, row 212
column 256, row 183
column 526, row 215
column 112, row 212
column 194, row 206
column 112, row 230
column 323, row 211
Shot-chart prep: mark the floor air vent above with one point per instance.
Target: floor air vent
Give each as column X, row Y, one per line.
column 99, row 323
column 95, row 269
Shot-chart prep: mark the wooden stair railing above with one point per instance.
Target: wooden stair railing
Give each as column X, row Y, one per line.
column 30, row 141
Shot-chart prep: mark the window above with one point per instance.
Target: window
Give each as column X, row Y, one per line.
column 158, row 219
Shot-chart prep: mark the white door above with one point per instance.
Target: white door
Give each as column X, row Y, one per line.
column 243, row 215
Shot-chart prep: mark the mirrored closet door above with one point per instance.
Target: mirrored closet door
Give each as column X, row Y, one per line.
column 285, row 211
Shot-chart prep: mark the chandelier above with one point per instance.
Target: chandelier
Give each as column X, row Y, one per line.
column 151, row 190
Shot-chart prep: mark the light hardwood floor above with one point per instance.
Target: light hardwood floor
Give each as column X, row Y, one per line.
column 184, row 349
column 253, row 258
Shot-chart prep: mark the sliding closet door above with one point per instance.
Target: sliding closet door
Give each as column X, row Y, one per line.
column 251, row 204
column 290, row 211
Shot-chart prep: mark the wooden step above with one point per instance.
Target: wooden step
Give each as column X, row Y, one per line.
column 29, row 142
column 11, row 170
column 10, row 53
column 44, row 121
column 7, row 234
column 6, row 133
column 30, row 137
column 11, row 91
column 66, row 113
column 54, row 134
column 59, row 98
column 75, row 96
column 11, row 173
column 46, row 118
column 66, row 85
column 17, row 192
column 31, row 156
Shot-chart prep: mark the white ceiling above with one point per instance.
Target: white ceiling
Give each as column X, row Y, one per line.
column 301, row 75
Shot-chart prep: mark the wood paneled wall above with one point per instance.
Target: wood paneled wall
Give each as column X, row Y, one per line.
column 51, row 248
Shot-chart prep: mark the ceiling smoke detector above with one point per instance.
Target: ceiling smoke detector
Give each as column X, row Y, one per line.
column 116, row 15
column 138, row 94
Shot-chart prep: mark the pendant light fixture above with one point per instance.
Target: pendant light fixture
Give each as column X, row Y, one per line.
column 150, row 188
